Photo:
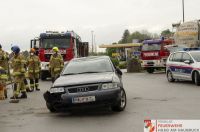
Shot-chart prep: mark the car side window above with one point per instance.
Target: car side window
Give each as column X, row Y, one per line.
column 177, row 57
column 186, row 56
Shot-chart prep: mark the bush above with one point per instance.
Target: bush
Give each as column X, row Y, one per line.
column 123, row 65
column 134, row 65
column 115, row 61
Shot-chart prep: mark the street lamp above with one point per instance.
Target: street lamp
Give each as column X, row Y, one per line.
column 92, row 41
column 183, row 10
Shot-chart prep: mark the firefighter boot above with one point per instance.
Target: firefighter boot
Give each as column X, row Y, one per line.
column 14, row 97
column 24, row 95
column 37, row 89
column 37, row 84
column 29, row 90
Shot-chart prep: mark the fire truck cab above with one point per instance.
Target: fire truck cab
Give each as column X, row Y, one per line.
column 154, row 54
column 69, row 44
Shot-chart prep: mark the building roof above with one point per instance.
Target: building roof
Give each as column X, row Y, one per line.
column 127, row 45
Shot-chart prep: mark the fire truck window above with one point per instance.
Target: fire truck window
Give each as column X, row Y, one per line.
column 60, row 43
column 151, row 47
column 177, row 57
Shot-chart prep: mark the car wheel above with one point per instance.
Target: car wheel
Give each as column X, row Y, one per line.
column 170, row 76
column 50, row 107
column 196, row 78
column 120, row 106
column 150, row 70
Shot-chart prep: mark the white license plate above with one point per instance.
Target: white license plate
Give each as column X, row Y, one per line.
column 83, row 99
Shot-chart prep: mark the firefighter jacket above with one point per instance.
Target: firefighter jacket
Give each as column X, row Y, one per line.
column 3, row 59
column 18, row 65
column 56, row 63
column 33, row 64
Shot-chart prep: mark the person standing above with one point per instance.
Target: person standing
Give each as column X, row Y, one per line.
column 4, row 64
column 56, row 64
column 33, row 64
column 3, row 79
column 17, row 63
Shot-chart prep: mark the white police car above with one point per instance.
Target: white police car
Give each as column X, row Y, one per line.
column 184, row 65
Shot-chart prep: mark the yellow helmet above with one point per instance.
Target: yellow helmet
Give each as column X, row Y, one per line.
column 55, row 49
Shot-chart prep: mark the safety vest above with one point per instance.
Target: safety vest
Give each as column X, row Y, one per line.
column 33, row 64
column 56, row 62
column 18, row 64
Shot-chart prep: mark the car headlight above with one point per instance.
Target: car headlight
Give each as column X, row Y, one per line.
column 109, row 85
column 57, row 90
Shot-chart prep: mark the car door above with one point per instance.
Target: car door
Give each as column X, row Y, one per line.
column 186, row 68
column 175, row 65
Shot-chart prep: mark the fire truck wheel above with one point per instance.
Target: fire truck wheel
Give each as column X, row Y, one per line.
column 197, row 78
column 43, row 76
column 170, row 76
column 150, row 70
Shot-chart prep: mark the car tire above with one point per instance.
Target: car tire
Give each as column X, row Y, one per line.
column 50, row 107
column 120, row 106
column 170, row 77
column 197, row 78
column 150, row 70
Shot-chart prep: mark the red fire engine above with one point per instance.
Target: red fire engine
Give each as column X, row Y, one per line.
column 69, row 44
column 154, row 54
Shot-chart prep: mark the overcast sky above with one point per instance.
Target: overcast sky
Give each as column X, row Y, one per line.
column 22, row 20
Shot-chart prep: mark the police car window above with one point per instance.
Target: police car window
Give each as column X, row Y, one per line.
column 171, row 57
column 196, row 56
column 177, row 57
column 186, row 56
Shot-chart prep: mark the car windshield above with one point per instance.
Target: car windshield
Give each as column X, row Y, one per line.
column 88, row 66
column 59, row 42
column 151, row 47
column 196, row 56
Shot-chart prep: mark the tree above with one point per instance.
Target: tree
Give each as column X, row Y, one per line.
column 125, row 37
column 139, row 36
column 166, row 33
column 109, row 51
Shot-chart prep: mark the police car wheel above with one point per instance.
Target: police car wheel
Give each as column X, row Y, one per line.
column 197, row 78
column 170, row 76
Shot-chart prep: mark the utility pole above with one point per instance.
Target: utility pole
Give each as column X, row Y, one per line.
column 95, row 48
column 92, row 42
column 183, row 10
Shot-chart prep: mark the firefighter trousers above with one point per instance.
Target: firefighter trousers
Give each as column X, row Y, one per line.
column 34, row 83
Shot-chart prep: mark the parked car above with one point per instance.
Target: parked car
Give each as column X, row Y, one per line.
column 184, row 65
column 87, row 81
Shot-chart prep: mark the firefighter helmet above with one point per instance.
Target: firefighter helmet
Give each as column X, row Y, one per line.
column 55, row 49
column 15, row 49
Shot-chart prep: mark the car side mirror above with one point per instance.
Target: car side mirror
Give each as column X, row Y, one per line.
column 187, row 62
column 119, row 72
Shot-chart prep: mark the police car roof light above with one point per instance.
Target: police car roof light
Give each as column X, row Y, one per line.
column 191, row 49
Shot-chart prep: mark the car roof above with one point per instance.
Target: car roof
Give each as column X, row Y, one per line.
column 90, row 58
column 187, row 51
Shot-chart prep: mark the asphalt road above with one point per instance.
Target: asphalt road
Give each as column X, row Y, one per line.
column 149, row 96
